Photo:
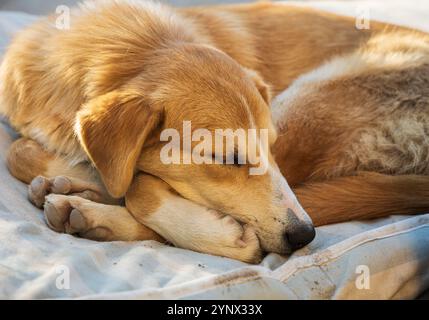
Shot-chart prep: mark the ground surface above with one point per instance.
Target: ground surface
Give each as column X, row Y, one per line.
column 45, row 6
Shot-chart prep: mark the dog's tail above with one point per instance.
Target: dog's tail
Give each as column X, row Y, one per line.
column 364, row 196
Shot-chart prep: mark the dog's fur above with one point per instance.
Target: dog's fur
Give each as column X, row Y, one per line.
column 350, row 133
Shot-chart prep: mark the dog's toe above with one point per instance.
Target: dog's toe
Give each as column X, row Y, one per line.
column 254, row 252
column 77, row 222
column 61, row 216
column 41, row 187
column 242, row 242
column 54, row 217
column 38, row 189
column 75, row 216
column 61, row 185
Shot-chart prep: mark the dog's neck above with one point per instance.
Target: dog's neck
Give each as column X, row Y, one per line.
column 267, row 37
column 226, row 31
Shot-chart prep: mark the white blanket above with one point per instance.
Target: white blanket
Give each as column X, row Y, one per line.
column 386, row 258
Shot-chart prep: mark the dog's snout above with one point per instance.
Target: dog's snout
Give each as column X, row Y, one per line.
column 300, row 236
column 298, row 233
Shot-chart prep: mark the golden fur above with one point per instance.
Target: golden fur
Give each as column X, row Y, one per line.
column 352, row 131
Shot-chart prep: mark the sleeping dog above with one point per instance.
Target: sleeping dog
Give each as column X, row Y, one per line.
column 349, row 136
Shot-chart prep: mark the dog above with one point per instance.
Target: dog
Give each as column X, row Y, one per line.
column 348, row 139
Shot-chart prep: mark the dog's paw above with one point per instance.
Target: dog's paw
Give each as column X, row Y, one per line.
column 249, row 249
column 41, row 186
column 38, row 189
column 76, row 216
column 234, row 240
column 94, row 221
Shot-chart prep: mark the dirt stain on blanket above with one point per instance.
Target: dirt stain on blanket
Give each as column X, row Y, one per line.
column 236, row 277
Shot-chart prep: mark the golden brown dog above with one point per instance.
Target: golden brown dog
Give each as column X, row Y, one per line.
column 350, row 133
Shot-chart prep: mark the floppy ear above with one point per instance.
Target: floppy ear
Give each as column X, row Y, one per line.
column 263, row 88
column 112, row 129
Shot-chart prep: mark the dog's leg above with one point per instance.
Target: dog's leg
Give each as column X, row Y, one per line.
column 73, row 198
column 151, row 202
column 41, row 186
column 189, row 225
column 91, row 220
column 26, row 159
column 364, row 196
column 47, row 173
column 70, row 193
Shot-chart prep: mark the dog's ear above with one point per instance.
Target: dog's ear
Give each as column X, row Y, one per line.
column 112, row 129
column 263, row 88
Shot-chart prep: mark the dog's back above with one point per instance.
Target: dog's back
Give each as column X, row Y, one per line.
column 354, row 133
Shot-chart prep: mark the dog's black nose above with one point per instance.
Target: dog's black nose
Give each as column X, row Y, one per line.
column 300, row 235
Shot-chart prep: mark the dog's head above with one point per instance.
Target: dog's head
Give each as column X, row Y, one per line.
column 200, row 87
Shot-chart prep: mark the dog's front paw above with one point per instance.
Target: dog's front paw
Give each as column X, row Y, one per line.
column 250, row 250
column 233, row 240
column 75, row 216
column 41, row 187
column 94, row 221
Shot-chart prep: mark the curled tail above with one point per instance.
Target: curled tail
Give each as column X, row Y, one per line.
column 364, row 196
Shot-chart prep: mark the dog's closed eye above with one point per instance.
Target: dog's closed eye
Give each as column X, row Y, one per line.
column 230, row 159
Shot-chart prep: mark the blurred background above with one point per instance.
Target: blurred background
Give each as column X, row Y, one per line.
column 45, row 6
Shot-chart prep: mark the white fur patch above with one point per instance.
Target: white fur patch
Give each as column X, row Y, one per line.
column 191, row 226
column 289, row 200
column 38, row 135
column 336, row 68
column 371, row 57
